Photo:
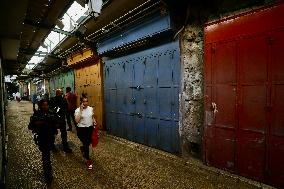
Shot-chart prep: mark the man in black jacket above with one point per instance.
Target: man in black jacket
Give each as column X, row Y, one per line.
column 44, row 126
column 60, row 107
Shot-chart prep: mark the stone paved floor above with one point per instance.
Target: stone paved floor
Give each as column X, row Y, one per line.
column 117, row 163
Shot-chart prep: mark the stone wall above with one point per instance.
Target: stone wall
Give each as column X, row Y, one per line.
column 191, row 106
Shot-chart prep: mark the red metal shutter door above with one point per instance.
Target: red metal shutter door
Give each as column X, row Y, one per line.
column 223, row 140
column 253, row 56
column 276, row 151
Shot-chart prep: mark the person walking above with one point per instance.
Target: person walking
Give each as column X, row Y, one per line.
column 34, row 101
column 71, row 100
column 43, row 125
column 84, row 116
column 18, row 97
column 59, row 106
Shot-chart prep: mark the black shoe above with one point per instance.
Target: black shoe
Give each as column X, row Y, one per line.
column 48, row 179
column 67, row 150
column 54, row 149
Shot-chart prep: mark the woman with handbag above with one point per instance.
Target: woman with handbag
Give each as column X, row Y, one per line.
column 84, row 116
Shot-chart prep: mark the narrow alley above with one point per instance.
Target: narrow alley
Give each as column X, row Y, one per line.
column 184, row 94
column 117, row 163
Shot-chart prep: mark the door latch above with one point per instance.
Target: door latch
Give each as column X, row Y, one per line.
column 139, row 115
column 214, row 108
column 136, row 114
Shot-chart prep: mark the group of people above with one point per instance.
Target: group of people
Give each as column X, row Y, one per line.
column 50, row 117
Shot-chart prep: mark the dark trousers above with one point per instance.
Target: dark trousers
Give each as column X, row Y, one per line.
column 47, row 168
column 45, row 141
column 85, row 136
column 63, row 134
column 70, row 115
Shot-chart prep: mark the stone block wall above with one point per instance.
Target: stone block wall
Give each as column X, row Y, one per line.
column 191, row 106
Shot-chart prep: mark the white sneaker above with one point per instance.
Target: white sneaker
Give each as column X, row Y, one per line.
column 89, row 164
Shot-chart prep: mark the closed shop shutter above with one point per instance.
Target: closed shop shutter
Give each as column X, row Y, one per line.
column 141, row 96
column 244, row 128
column 61, row 81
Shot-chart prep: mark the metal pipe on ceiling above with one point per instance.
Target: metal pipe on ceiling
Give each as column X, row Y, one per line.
column 116, row 20
column 114, row 23
column 131, row 18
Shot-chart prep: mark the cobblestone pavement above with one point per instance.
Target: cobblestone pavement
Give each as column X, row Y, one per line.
column 117, row 163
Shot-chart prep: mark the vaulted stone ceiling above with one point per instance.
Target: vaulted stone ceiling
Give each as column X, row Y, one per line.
column 24, row 25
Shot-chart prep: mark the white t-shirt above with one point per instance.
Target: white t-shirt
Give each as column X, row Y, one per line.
column 86, row 117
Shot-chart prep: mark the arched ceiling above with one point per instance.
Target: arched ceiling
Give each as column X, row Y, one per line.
column 24, row 26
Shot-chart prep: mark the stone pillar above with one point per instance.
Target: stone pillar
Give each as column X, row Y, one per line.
column 191, row 102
